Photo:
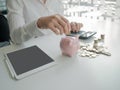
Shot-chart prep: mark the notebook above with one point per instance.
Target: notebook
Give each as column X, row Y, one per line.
column 27, row 61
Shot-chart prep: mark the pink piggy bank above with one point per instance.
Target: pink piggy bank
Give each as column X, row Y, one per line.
column 69, row 45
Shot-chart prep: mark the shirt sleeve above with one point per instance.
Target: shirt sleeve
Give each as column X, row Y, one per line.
column 60, row 8
column 19, row 30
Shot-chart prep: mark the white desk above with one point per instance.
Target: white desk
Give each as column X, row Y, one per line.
column 76, row 73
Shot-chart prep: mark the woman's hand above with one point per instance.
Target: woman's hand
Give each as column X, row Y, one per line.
column 75, row 27
column 56, row 23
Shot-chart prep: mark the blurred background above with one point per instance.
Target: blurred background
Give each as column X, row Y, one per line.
column 92, row 8
column 85, row 8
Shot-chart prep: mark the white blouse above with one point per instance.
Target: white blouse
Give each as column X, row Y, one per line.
column 23, row 16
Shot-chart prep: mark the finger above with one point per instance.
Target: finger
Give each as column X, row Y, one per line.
column 78, row 26
column 54, row 29
column 69, row 27
column 71, row 24
column 59, row 27
column 65, row 25
column 73, row 27
column 67, row 22
column 63, row 18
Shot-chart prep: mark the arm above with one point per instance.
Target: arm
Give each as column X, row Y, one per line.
column 19, row 31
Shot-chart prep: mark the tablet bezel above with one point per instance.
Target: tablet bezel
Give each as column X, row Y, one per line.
column 25, row 74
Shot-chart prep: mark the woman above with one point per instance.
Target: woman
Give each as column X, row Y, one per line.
column 31, row 18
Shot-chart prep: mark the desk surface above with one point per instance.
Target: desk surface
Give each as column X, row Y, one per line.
column 75, row 73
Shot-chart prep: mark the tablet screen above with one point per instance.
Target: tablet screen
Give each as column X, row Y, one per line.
column 28, row 59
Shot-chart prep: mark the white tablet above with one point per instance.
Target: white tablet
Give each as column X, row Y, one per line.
column 24, row 62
